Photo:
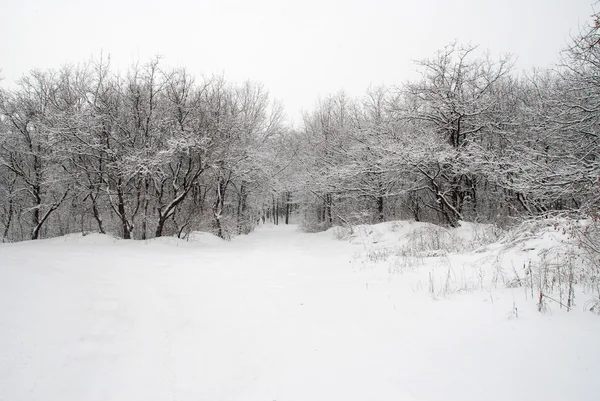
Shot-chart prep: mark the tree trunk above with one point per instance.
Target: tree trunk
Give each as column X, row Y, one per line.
column 36, row 212
column 380, row 209
column 126, row 225
column 146, row 202
column 288, row 199
column 218, row 208
column 328, row 205
column 36, row 230
column 445, row 207
column 96, row 213
column 241, row 208
column 275, row 212
column 8, row 220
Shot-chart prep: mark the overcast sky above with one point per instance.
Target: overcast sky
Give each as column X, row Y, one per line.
column 300, row 50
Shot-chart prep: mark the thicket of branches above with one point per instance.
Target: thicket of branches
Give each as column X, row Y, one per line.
column 154, row 152
column 157, row 152
column 471, row 140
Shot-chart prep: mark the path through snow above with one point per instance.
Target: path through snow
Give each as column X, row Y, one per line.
column 276, row 315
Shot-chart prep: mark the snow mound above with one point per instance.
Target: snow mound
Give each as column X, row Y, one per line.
column 543, row 258
column 204, row 238
column 74, row 238
column 421, row 237
column 194, row 239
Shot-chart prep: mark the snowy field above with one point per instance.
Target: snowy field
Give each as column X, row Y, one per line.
column 284, row 315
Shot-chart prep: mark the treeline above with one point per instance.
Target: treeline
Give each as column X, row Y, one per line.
column 471, row 140
column 157, row 152
column 149, row 153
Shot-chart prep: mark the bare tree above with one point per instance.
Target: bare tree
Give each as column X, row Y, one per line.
column 27, row 143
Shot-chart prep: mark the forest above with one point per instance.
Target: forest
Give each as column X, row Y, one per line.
column 157, row 151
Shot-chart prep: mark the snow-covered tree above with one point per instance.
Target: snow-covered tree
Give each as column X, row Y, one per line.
column 35, row 169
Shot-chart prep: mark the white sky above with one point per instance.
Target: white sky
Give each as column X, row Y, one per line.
column 300, row 50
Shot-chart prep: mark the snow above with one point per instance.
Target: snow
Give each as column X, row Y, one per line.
column 284, row 315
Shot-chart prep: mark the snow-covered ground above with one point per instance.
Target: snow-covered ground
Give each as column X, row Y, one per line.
column 283, row 315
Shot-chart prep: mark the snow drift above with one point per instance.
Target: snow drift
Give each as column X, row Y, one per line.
column 284, row 315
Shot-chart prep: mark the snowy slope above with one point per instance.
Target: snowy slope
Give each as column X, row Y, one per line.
column 279, row 315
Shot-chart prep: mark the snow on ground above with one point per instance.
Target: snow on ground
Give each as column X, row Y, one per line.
column 283, row 315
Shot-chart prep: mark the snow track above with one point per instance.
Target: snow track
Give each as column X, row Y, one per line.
column 276, row 315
